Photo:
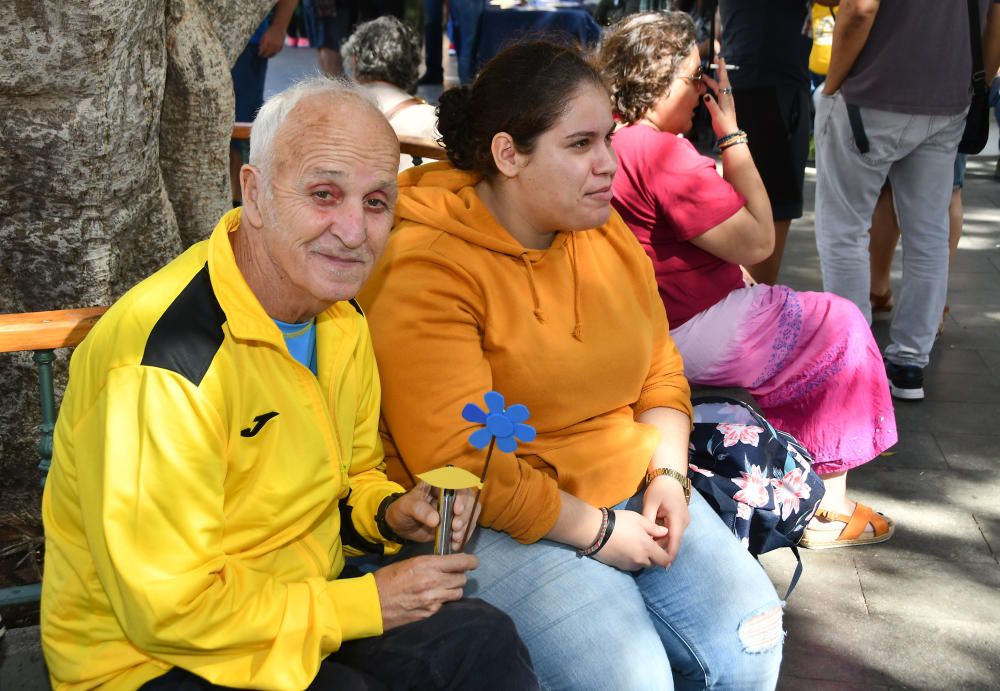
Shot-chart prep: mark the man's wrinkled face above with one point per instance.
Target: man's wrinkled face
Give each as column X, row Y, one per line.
column 327, row 205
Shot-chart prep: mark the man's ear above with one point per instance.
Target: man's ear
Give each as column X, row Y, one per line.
column 252, row 184
column 504, row 154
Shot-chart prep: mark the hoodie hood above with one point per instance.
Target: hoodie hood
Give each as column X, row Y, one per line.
column 441, row 196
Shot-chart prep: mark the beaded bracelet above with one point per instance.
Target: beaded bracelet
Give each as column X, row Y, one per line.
column 732, row 135
column 733, row 142
column 603, row 535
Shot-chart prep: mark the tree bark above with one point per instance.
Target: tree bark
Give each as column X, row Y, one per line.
column 114, row 131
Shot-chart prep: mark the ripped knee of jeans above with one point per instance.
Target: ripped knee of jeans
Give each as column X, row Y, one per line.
column 762, row 631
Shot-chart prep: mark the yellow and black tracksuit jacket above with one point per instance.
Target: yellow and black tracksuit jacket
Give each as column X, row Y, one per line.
column 205, row 485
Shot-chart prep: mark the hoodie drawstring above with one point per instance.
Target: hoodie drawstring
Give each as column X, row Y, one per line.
column 577, row 319
column 536, row 301
column 537, row 304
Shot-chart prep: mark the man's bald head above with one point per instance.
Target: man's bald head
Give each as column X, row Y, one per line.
column 315, row 94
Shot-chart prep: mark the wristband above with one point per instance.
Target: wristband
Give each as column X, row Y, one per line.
column 732, row 135
column 383, row 524
column 734, row 142
column 607, row 532
column 603, row 535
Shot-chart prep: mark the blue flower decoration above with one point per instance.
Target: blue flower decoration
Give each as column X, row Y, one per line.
column 503, row 424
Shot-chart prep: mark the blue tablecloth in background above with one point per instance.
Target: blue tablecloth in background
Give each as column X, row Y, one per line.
column 498, row 27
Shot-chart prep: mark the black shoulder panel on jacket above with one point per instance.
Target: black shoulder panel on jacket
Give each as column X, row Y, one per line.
column 189, row 334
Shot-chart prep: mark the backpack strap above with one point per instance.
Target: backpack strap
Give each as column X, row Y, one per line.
column 798, row 571
column 403, row 105
column 976, row 42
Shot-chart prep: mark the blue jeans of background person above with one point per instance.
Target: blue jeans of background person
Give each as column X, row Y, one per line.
column 713, row 616
column 465, row 16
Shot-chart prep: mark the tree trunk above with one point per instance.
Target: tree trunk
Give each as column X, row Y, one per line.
column 114, row 131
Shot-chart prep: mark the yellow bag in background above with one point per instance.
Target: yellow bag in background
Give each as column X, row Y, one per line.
column 823, row 19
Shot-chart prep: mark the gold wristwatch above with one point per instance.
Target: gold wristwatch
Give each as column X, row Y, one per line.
column 670, row 472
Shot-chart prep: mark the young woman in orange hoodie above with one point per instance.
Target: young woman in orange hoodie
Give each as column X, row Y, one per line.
column 508, row 270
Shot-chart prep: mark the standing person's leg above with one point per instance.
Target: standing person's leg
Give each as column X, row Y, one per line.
column 883, row 237
column 465, row 16
column 433, row 18
column 466, row 645
column 715, row 609
column 848, row 184
column 584, row 623
column 248, row 73
column 777, row 121
column 922, row 185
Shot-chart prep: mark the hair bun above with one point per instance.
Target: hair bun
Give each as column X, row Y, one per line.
column 453, row 113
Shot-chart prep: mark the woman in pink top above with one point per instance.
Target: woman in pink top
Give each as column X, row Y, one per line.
column 808, row 358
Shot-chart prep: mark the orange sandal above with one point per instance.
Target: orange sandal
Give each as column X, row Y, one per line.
column 854, row 531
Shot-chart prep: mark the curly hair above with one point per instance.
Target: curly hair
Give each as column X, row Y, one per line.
column 639, row 57
column 383, row 50
column 523, row 91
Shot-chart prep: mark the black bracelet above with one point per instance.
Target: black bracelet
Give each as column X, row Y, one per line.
column 383, row 524
column 607, row 532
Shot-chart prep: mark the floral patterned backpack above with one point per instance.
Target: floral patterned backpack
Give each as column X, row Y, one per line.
column 758, row 479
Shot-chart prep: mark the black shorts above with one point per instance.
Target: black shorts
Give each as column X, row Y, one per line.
column 777, row 120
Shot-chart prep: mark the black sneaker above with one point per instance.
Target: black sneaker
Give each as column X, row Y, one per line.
column 906, row 382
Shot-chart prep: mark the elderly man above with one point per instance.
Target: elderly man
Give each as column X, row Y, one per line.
column 217, row 452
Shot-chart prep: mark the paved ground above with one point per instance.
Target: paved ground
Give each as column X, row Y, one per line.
column 922, row 610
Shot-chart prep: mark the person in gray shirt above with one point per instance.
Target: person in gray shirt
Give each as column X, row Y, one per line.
column 893, row 107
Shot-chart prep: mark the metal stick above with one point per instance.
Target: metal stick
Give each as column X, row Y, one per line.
column 446, row 510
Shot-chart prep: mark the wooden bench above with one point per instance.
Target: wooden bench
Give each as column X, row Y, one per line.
column 417, row 148
column 42, row 333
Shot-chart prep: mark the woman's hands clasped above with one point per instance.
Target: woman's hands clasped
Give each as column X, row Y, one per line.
column 650, row 538
column 664, row 504
column 634, row 543
column 722, row 108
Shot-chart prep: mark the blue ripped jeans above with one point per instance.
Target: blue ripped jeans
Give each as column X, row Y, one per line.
column 712, row 620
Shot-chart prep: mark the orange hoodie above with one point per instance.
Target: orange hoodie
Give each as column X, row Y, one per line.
column 576, row 332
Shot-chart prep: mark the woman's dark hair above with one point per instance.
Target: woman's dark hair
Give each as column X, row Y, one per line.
column 639, row 57
column 522, row 91
column 385, row 50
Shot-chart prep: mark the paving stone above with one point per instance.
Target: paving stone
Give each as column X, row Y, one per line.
column 958, row 489
column 974, row 337
column 931, row 589
column 981, row 315
column 914, row 450
column 983, row 387
column 991, row 356
column 970, row 451
column 828, row 576
column 878, row 652
column 948, row 417
column 789, row 683
column 960, row 361
column 990, row 527
column 974, row 261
